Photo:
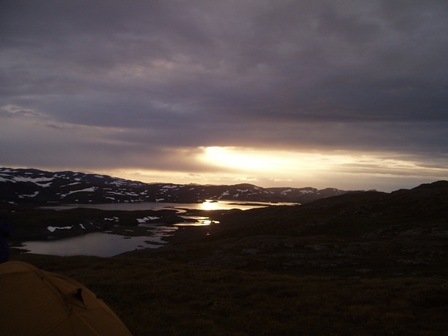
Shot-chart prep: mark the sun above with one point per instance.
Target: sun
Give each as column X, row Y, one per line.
column 241, row 158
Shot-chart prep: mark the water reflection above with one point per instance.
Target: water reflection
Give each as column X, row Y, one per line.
column 200, row 221
column 210, row 205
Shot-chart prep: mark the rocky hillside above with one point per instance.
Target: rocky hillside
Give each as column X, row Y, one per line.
column 32, row 186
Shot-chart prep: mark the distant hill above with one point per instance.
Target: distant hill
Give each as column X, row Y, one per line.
column 351, row 214
column 33, row 186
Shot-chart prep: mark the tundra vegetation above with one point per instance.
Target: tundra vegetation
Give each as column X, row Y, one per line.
column 366, row 263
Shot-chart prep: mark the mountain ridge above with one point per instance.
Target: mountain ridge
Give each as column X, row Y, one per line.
column 34, row 186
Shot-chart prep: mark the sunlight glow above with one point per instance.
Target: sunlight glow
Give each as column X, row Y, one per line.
column 280, row 168
column 278, row 162
column 281, row 163
column 209, row 205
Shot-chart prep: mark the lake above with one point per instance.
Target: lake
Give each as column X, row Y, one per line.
column 105, row 244
column 101, row 244
column 207, row 205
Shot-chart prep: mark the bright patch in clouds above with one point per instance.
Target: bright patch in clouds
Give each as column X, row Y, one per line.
column 273, row 162
column 245, row 159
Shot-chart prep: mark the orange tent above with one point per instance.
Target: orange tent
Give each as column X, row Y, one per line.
column 36, row 302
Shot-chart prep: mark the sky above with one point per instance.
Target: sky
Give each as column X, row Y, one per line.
column 348, row 94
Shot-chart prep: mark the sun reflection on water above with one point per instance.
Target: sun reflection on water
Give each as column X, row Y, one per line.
column 201, row 221
column 209, row 205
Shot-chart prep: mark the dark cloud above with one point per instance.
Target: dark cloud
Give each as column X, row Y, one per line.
column 320, row 75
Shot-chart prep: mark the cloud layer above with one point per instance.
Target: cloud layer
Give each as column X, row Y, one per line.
column 146, row 84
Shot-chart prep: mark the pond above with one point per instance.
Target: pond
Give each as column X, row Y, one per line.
column 105, row 244
column 101, row 244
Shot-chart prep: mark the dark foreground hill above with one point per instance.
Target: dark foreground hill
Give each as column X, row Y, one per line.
column 32, row 186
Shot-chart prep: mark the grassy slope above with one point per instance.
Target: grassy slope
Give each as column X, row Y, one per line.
column 166, row 298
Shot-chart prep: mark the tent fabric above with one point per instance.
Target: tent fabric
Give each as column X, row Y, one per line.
column 34, row 302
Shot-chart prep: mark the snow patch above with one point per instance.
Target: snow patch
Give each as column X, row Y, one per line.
column 54, row 228
column 146, row 219
column 284, row 192
column 32, row 195
column 44, row 185
column 73, row 183
column 33, row 179
column 91, row 189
